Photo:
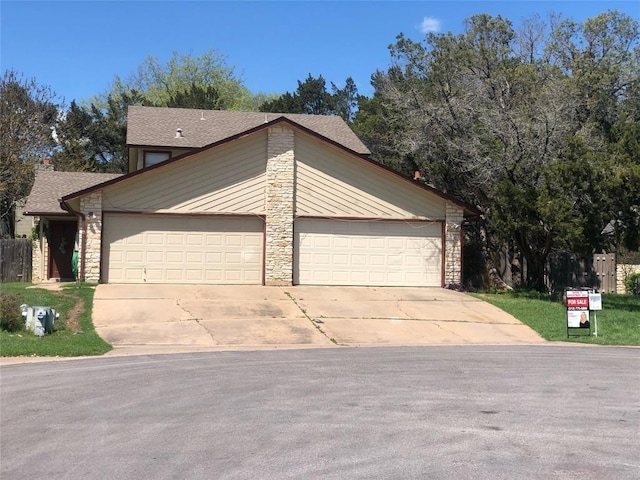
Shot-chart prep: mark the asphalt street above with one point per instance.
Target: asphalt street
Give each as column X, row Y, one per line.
column 481, row 412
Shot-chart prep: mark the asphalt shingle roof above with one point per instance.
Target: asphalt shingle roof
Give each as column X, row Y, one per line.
column 50, row 186
column 156, row 126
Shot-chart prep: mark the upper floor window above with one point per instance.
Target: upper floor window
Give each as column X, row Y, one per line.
column 151, row 158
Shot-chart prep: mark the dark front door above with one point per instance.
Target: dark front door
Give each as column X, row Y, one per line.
column 62, row 238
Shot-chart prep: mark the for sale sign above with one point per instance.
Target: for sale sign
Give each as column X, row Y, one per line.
column 577, row 302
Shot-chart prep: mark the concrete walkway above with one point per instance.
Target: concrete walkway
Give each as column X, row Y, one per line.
column 184, row 318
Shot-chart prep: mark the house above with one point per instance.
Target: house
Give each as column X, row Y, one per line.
column 215, row 197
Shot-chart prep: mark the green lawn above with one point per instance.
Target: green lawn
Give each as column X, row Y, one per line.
column 73, row 334
column 618, row 321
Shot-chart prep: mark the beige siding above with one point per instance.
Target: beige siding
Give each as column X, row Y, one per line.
column 331, row 183
column 24, row 225
column 227, row 179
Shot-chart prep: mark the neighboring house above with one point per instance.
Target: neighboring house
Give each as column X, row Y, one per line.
column 23, row 225
column 251, row 198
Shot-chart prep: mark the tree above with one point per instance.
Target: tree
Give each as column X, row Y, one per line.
column 93, row 136
column 311, row 97
column 73, row 136
column 345, row 99
column 519, row 128
column 28, row 114
column 198, row 96
column 159, row 83
column 375, row 126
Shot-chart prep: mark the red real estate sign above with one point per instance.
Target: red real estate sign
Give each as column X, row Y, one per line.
column 578, row 302
column 578, row 309
column 578, row 299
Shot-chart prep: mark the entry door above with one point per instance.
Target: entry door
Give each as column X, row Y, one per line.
column 62, row 238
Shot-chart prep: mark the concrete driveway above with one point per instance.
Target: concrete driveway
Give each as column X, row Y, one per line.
column 173, row 318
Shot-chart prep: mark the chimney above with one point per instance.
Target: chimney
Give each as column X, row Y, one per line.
column 46, row 165
column 417, row 175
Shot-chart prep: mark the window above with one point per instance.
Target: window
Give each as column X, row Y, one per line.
column 151, row 158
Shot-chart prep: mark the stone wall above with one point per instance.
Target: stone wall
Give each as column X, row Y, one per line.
column 36, row 262
column 278, row 265
column 453, row 244
column 622, row 272
column 91, row 207
column 40, row 255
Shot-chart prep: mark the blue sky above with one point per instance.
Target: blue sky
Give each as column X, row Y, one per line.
column 78, row 47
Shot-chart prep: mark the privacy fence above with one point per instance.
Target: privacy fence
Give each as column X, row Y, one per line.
column 15, row 260
column 569, row 270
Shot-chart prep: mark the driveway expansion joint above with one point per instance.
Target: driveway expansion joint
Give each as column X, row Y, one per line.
column 195, row 319
column 311, row 320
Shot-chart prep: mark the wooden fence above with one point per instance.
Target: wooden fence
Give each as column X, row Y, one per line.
column 567, row 270
column 15, row 260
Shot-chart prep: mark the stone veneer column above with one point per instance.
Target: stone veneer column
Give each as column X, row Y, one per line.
column 278, row 262
column 453, row 245
column 36, row 256
column 91, row 207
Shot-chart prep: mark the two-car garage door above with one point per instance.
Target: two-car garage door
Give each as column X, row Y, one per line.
column 182, row 249
column 352, row 252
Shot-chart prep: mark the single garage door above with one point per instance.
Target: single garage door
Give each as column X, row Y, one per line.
column 182, row 249
column 384, row 253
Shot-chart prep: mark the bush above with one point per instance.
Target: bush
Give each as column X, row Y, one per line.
column 628, row 283
column 11, row 318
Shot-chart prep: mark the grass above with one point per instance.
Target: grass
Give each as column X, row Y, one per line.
column 618, row 321
column 74, row 334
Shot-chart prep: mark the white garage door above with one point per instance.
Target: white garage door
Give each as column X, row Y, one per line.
column 181, row 249
column 331, row 252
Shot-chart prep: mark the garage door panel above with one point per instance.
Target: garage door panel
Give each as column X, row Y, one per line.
column 163, row 249
column 252, row 258
column 214, row 240
column 368, row 253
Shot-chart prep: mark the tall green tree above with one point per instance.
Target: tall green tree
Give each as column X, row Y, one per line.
column 312, row 97
column 204, row 97
column 345, row 100
column 93, row 135
column 28, row 115
column 94, row 138
column 521, row 127
column 159, row 82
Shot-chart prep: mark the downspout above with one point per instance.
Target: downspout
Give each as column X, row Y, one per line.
column 83, row 247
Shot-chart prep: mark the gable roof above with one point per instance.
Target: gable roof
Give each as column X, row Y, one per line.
column 156, row 126
column 50, row 186
column 469, row 209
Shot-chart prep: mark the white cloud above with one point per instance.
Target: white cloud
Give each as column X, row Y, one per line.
column 430, row 25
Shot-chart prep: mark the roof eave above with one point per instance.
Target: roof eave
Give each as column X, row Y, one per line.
column 47, row 214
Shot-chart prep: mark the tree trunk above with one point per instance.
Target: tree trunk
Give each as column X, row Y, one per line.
column 495, row 280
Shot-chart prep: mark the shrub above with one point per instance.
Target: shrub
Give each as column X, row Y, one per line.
column 628, row 282
column 11, row 318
